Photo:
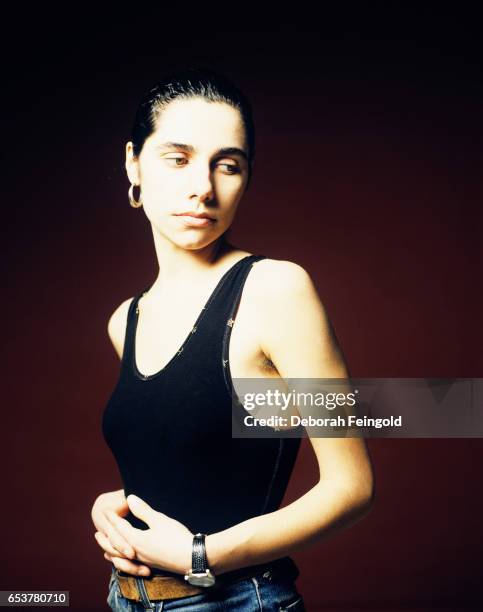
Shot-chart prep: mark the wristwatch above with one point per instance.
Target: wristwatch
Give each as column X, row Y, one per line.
column 200, row 574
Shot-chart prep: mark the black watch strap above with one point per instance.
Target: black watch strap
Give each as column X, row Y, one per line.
column 199, row 562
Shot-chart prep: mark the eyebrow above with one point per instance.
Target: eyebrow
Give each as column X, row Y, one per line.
column 190, row 149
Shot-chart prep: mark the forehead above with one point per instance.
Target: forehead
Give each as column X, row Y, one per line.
column 200, row 123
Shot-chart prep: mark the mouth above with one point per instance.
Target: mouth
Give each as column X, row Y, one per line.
column 195, row 221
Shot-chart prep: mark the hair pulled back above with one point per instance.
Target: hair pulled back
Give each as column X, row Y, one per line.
column 193, row 82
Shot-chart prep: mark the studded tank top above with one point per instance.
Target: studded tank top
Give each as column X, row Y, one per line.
column 171, row 432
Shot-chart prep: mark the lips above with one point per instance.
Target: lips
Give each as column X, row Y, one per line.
column 199, row 221
column 192, row 213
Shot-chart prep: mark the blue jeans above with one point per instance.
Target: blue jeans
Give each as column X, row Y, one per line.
column 261, row 593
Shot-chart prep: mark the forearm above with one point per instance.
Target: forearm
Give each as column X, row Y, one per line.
column 325, row 509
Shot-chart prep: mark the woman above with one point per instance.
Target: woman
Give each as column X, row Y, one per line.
column 197, row 524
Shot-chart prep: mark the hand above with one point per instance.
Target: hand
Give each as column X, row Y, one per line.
column 166, row 544
column 116, row 548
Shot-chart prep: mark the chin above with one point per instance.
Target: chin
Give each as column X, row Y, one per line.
column 194, row 243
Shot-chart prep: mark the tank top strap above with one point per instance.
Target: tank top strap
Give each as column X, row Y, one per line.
column 226, row 301
column 224, row 315
column 224, row 296
column 130, row 324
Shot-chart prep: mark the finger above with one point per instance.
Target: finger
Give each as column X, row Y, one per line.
column 127, row 566
column 141, row 509
column 120, row 506
column 122, row 509
column 123, row 547
column 122, row 527
column 105, row 543
column 102, row 522
column 116, row 520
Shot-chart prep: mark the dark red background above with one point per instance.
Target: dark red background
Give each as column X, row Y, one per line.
column 368, row 174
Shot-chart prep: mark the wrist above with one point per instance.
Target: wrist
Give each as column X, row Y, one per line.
column 228, row 550
column 215, row 547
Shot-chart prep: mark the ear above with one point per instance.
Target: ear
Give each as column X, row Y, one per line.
column 132, row 165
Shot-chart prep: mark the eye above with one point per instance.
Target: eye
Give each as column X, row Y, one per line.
column 176, row 159
column 178, row 162
column 232, row 168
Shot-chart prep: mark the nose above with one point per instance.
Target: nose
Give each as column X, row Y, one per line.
column 201, row 183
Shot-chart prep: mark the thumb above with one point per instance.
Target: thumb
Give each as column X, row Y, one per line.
column 140, row 508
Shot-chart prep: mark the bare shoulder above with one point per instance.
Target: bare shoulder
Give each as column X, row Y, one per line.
column 116, row 326
column 280, row 278
column 294, row 329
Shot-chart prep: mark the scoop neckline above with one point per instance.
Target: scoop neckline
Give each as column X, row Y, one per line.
column 145, row 377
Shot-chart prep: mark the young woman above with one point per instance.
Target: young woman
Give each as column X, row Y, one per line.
column 197, row 524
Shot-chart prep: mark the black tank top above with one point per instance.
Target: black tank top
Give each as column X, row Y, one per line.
column 171, row 432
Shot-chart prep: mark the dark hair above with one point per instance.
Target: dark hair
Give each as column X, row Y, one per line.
column 193, row 82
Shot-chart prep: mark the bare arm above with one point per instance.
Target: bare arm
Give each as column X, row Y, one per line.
column 116, row 327
column 299, row 340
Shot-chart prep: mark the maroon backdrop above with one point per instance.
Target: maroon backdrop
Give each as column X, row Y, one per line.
column 366, row 174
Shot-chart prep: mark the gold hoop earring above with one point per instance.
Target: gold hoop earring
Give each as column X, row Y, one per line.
column 134, row 203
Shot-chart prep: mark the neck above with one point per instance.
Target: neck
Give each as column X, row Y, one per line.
column 179, row 268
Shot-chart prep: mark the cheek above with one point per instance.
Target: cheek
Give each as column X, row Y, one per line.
column 160, row 190
column 231, row 189
column 229, row 211
column 155, row 175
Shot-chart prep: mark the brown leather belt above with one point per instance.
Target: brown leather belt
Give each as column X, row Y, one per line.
column 173, row 586
column 157, row 587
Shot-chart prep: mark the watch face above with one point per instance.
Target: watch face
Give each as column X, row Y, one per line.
column 204, row 580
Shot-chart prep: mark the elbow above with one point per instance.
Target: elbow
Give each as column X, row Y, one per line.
column 367, row 502
column 364, row 498
column 364, row 488
column 361, row 496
